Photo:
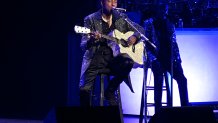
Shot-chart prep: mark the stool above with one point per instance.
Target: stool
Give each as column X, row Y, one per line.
column 104, row 76
column 165, row 88
column 145, row 104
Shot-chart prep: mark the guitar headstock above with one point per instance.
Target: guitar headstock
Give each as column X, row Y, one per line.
column 79, row 29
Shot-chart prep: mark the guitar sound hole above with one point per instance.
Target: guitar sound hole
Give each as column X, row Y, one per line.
column 124, row 43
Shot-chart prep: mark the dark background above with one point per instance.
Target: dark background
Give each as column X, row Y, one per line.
column 41, row 57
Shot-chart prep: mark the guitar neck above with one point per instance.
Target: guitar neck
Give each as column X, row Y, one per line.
column 110, row 38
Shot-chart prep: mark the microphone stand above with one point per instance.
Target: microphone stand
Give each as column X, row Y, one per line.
column 145, row 71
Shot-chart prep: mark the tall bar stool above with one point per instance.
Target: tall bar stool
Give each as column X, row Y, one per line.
column 144, row 101
column 165, row 88
column 98, row 97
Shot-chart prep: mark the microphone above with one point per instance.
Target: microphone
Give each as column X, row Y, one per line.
column 119, row 9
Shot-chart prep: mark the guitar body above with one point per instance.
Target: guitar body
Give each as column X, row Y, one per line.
column 137, row 55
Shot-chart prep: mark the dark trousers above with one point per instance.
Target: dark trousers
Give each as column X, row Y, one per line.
column 119, row 67
column 158, row 69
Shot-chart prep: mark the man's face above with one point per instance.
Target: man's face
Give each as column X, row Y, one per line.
column 108, row 5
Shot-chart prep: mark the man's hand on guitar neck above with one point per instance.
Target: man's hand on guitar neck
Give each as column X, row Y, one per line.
column 96, row 35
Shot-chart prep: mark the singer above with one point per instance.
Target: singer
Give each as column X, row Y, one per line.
column 101, row 54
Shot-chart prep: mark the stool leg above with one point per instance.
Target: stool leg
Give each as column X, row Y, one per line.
column 92, row 95
column 167, row 83
column 102, row 90
column 120, row 104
